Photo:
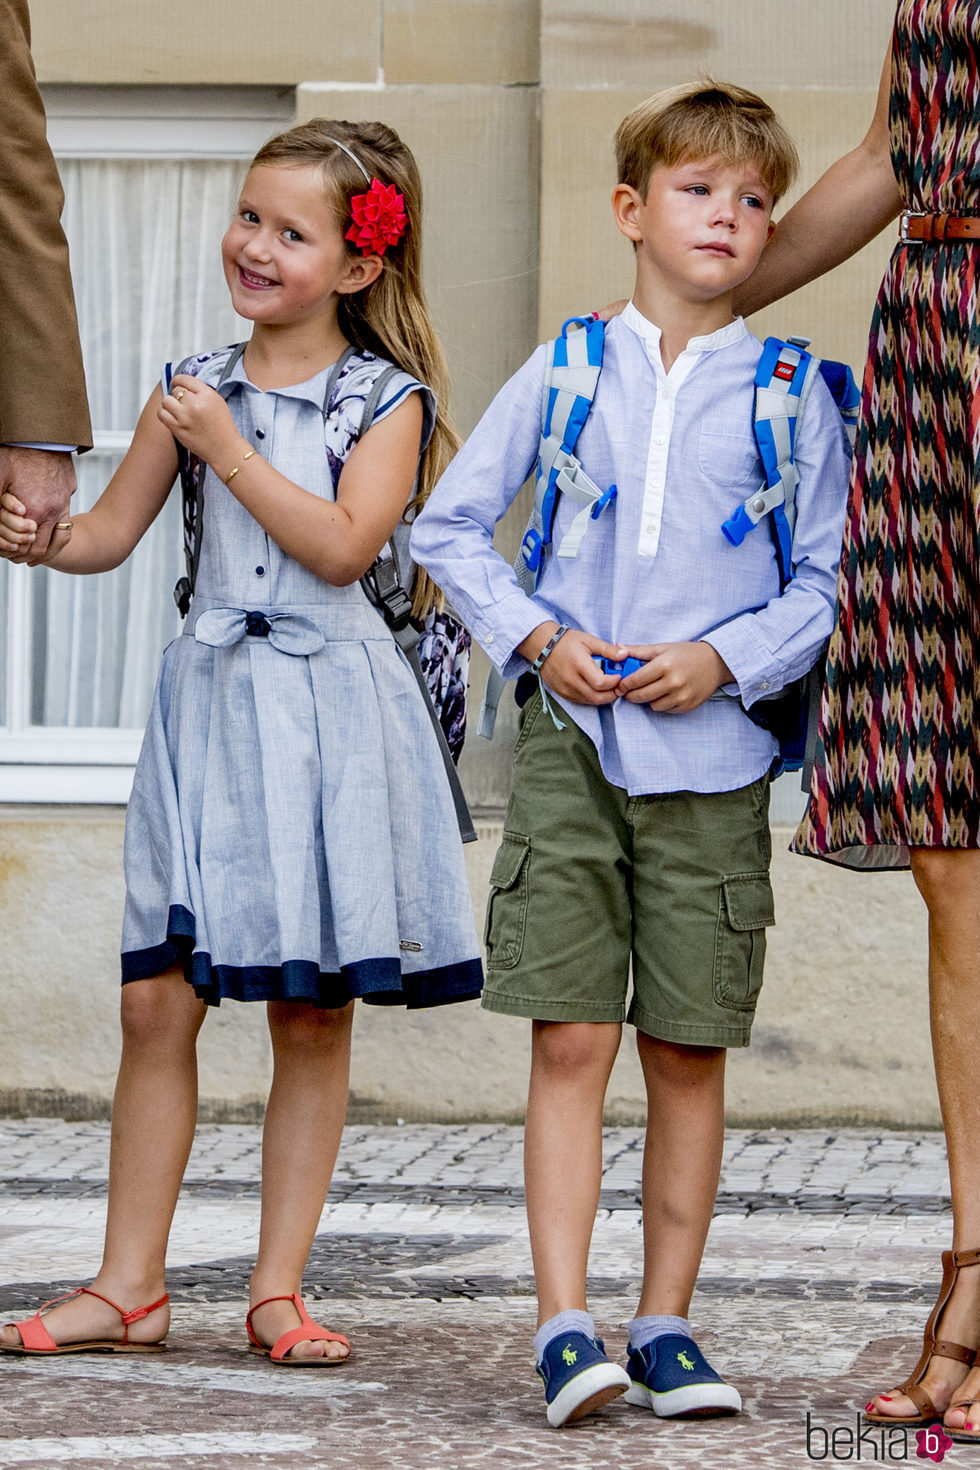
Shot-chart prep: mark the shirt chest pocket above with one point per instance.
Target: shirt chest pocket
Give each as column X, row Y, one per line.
column 727, row 452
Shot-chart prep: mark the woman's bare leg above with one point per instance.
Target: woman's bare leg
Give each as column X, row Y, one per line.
column 949, row 881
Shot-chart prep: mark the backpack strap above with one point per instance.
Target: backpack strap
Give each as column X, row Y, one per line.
column 570, row 381
column 571, row 376
column 332, row 377
column 382, row 585
column 784, row 380
column 190, row 471
column 845, row 393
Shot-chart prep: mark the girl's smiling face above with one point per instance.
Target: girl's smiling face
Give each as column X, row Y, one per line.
column 284, row 254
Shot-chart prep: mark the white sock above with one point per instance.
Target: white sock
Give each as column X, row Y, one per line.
column 570, row 1321
column 644, row 1330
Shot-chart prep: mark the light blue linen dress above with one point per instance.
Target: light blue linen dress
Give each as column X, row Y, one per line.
column 291, row 832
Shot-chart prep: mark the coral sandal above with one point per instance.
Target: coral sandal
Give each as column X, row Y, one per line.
column 308, row 1331
column 932, row 1346
column 36, row 1340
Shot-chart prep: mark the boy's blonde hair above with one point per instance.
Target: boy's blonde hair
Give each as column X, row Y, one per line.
column 389, row 317
column 701, row 120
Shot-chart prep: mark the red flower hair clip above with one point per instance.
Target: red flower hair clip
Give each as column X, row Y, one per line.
column 379, row 218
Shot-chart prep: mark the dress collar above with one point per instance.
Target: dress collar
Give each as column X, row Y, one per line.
column 310, row 391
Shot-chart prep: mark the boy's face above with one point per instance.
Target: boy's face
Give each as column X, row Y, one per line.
column 701, row 228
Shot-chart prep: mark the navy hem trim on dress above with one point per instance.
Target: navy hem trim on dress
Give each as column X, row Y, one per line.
column 376, row 981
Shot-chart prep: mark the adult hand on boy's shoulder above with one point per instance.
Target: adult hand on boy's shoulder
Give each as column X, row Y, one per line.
column 570, row 668
column 614, row 309
column 675, row 677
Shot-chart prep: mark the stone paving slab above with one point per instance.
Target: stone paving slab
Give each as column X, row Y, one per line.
column 821, row 1266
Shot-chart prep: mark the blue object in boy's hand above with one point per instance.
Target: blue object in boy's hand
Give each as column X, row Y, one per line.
column 623, row 667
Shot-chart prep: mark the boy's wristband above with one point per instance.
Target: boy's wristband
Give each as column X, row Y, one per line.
column 548, row 648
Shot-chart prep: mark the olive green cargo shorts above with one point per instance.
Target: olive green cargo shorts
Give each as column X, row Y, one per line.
column 590, row 883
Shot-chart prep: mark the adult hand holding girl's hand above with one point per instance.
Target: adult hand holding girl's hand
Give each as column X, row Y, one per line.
column 199, row 417
column 675, row 677
column 18, row 533
column 570, row 668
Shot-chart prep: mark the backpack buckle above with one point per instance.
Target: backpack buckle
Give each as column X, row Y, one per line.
column 182, row 596
column 605, row 499
column 532, row 549
column 396, row 607
column 390, row 596
column 737, row 527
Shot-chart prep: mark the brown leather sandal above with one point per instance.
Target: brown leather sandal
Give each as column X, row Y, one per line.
column 932, row 1346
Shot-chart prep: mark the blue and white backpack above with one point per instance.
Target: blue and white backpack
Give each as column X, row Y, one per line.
column 784, row 377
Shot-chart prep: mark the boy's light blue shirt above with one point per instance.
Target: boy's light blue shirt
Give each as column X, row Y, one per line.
column 654, row 567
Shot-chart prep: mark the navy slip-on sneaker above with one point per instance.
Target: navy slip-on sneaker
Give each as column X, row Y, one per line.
column 578, row 1377
column 672, row 1377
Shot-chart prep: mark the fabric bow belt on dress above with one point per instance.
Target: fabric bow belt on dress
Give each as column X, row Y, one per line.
column 933, row 228
column 286, row 631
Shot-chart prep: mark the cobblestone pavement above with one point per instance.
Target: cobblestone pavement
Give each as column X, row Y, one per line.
column 820, row 1270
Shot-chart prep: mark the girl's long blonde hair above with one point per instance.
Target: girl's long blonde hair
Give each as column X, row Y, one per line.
column 389, row 317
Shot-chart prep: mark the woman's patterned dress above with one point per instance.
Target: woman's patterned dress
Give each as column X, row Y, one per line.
column 897, row 759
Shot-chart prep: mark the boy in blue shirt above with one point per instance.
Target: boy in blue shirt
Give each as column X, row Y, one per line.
column 637, row 833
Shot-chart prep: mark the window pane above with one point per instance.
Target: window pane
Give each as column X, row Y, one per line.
column 102, row 636
column 149, row 287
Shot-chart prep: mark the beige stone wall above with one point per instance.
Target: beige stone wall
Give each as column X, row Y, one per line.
column 220, row 42
column 245, row 43
column 817, row 64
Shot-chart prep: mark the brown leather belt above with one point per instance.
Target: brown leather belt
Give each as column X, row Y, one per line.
column 934, row 228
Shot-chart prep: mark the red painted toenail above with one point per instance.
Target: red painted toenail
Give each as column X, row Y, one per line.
column 869, row 1407
column 886, row 1398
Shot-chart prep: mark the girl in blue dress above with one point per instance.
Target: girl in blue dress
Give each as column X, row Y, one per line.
column 291, row 836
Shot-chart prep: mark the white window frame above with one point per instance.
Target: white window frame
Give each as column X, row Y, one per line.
column 48, row 764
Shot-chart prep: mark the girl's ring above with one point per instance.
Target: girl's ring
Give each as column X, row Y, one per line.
column 63, row 525
column 179, row 394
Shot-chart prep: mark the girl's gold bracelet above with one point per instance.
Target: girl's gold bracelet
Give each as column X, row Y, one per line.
column 232, row 473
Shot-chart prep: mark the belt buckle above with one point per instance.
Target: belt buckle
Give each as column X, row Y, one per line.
column 903, row 225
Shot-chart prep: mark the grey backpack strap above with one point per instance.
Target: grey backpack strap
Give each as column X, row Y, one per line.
column 374, row 398
column 335, row 373
column 407, row 639
column 383, row 588
column 190, row 469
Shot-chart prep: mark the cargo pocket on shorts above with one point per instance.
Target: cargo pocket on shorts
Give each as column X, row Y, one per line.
column 507, row 904
column 745, row 912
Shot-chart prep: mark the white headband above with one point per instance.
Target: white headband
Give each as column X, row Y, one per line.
column 352, row 156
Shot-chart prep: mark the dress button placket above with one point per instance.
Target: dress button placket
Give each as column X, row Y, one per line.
column 260, row 434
